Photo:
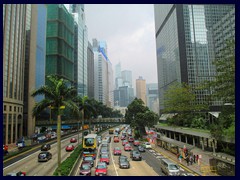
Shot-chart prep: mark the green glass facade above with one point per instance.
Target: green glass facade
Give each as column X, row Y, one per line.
column 188, row 39
column 60, row 42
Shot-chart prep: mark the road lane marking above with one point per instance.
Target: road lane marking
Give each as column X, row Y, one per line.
column 112, row 158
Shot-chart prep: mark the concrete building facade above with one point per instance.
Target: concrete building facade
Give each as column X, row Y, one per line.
column 141, row 89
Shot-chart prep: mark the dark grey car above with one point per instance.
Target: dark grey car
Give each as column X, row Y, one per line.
column 124, row 163
column 89, row 159
column 44, row 156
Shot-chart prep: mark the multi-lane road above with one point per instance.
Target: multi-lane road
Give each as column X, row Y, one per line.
column 149, row 166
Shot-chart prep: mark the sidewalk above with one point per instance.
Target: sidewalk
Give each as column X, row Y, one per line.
column 203, row 169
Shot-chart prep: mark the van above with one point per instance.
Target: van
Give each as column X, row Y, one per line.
column 169, row 168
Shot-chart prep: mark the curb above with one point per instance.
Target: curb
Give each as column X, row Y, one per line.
column 187, row 169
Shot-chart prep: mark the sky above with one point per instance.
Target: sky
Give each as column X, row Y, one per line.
column 129, row 32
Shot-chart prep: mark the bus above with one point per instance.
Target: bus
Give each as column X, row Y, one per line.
column 90, row 145
column 90, row 141
column 110, row 131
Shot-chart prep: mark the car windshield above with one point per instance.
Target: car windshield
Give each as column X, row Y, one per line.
column 85, row 167
column 147, row 143
column 104, row 156
column 42, row 155
column 89, row 158
column 101, row 166
column 117, row 148
column 173, row 167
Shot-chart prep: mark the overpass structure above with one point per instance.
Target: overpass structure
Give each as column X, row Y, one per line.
column 72, row 123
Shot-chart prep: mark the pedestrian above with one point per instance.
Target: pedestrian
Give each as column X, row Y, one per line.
column 187, row 159
column 197, row 158
column 191, row 159
column 194, row 158
column 180, row 158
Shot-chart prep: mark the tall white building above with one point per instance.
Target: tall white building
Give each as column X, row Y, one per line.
column 103, row 74
column 81, row 45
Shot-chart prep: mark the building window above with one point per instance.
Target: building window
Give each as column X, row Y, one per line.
column 14, row 108
column 10, row 108
column 5, row 107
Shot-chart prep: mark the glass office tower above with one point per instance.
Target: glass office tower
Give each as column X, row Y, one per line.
column 187, row 42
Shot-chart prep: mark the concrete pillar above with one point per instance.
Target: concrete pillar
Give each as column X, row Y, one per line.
column 186, row 139
column 16, row 127
column 11, row 128
column 6, row 132
column 180, row 137
column 202, row 143
column 174, row 134
column 193, row 141
column 213, row 145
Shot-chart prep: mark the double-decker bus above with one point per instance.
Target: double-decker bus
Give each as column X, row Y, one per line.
column 90, row 145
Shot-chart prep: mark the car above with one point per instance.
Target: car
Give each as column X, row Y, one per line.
column 130, row 139
column 85, row 168
column 20, row 173
column 117, row 151
column 73, row 140
column 147, row 145
column 116, row 139
column 136, row 143
column 136, row 156
column 127, row 147
column 104, row 150
column 123, row 137
column 124, row 163
column 69, row 148
column 122, row 157
column 89, row 159
column 44, row 156
column 125, row 142
column 45, row 147
column 104, row 158
column 141, row 149
column 101, row 169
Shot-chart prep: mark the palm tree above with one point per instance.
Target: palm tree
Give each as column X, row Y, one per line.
column 58, row 95
column 86, row 107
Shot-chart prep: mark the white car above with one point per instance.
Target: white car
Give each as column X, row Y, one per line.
column 147, row 145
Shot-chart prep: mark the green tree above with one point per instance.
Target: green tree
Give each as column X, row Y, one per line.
column 139, row 116
column 223, row 86
column 180, row 98
column 58, row 94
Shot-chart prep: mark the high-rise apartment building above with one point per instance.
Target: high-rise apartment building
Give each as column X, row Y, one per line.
column 187, row 40
column 141, row 89
column 80, row 48
column 60, row 42
column 14, row 31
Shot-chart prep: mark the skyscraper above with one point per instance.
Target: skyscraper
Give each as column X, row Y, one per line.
column 81, row 45
column 103, row 74
column 127, row 78
column 90, row 67
column 14, row 30
column 60, row 42
column 141, row 89
column 35, row 61
column 152, row 97
column 187, row 41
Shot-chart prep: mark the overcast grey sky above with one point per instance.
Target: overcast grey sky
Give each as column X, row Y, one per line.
column 129, row 32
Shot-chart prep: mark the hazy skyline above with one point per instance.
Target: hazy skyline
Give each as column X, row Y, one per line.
column 129, row 32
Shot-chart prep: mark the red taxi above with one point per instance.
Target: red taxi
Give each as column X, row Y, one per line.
column 69, row 148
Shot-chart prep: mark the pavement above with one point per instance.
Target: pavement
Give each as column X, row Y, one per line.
column 199, row 169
